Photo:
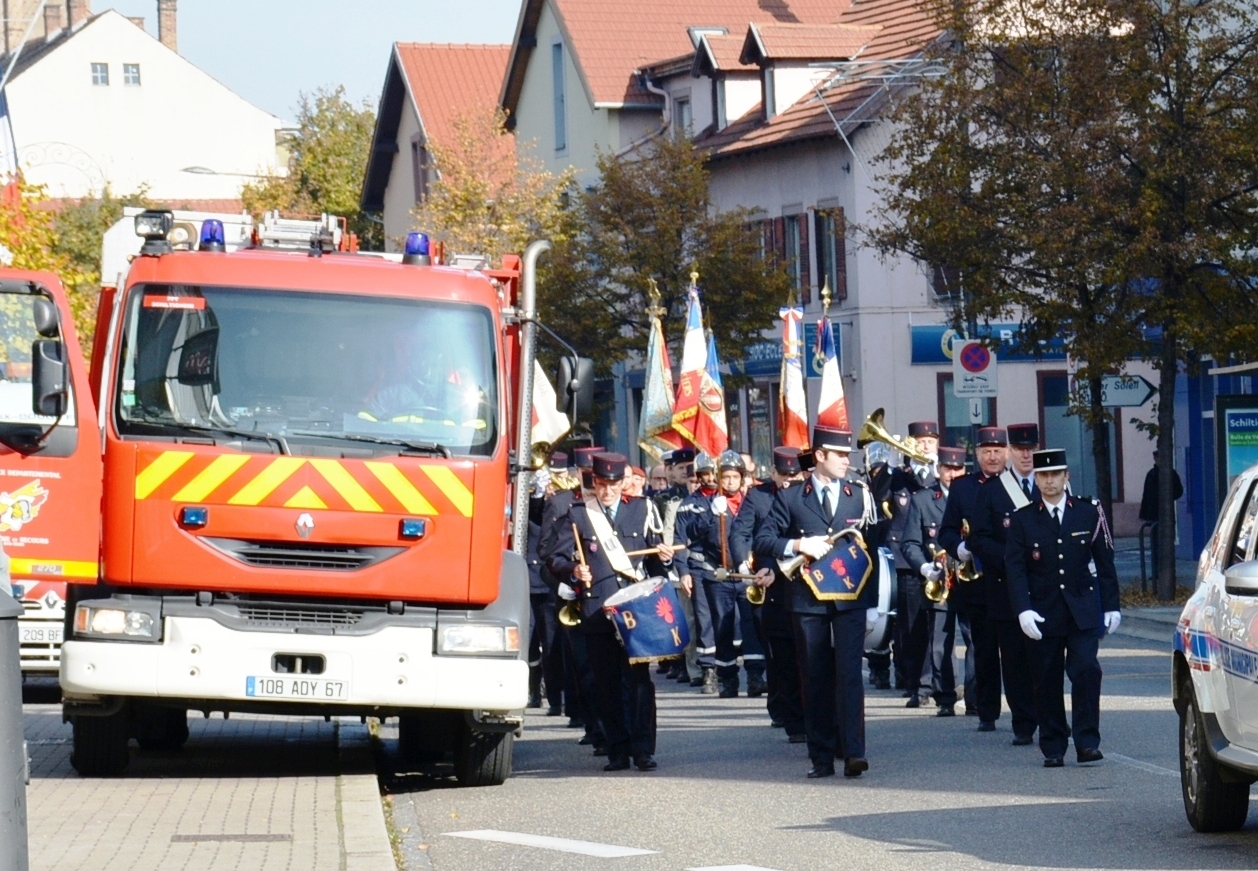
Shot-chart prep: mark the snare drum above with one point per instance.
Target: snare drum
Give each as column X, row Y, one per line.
column 648, row 618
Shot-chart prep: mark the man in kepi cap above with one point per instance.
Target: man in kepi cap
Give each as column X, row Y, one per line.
column 786, row 710
column 993, row 515
column 829, row 633
column 624, row 692
column 1062, row 603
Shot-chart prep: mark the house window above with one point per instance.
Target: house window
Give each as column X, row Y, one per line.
column 561, row 96
column 718, row 86
column 131, row 74
column 792, row 250
column 832, row 251
column 683, row 120
column 946, row 282
column 795, row 255
column 100, row 74
column 421, row 168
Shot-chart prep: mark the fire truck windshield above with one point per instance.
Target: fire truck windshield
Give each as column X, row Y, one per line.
column 296, row 365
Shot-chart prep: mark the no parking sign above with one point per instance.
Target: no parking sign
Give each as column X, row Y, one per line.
column 973, row 370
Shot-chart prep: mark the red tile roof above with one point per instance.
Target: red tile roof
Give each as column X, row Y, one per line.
column 447, row 81
column 906, row 29
column 804, row 42
column 723, row 52
column 609, row 39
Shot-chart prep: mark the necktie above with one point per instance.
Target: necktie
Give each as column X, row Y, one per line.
column 1026, row 487
column 831, row 501
column 1057, row 517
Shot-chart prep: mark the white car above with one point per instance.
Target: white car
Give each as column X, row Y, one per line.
column 1215, row 669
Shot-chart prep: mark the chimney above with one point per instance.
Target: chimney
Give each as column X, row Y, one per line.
column 52, row 19
column 79, row 11
column 166, row 24
column 137, row 20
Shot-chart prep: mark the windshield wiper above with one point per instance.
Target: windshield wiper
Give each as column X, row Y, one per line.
column 433, row 448
column 260, row 435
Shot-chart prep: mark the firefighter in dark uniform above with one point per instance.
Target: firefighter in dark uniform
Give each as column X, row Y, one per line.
column 785, row 708
column 691, row 519
column 906, row 480
column 1059, row 565
column 578, row 677
column 829, row 635
column 680, row 466
column 706, row 536
column 993, row 515
column 969, row 599
column 624, row 691
column 545, row 657
column 931, row 625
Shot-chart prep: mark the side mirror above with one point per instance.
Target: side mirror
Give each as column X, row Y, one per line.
column 48, row 377
column 45, row 315
column 576, row 386
column 1242, row 579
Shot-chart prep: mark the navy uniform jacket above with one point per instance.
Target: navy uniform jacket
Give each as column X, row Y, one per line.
column 904, row 484
column 757, row 505
column 797, row 513
column 695, row 530
column 989, row 530
column 630, row 528
column 962, row 496
column 556, row 507
column 925, row 516
column 1047, row 569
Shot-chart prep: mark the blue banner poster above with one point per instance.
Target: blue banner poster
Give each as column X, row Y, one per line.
column 1240, row 440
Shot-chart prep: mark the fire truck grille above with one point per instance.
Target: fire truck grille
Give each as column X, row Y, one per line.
column 290, row 555
column 270, row 615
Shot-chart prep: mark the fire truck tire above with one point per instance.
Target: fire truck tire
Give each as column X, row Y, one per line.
column 100, row 745
column 483, row 758
column 165, row 729
column 427, row 736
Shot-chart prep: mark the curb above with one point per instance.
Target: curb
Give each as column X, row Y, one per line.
column 1158, row 628
column 360, row 815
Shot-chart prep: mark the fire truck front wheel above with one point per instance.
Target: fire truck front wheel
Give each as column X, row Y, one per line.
column 157, row 728
column 483, row 758
column 100, row 744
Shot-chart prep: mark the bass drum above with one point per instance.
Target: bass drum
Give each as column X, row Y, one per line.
column 880, row 636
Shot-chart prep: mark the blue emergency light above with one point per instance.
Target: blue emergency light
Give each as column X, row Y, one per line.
column 212, row 236
column 416, row 252
column 412, row 528
column 193, row 517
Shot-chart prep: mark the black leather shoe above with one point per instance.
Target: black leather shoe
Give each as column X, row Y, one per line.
column 1053, row 762
column 880, row 681
column 587, row 740
column 913, row 702
column 645, row 762
column 576, row 723
column 1088, row 754
column 1022, row 740
column 756, row 686
column 620, row 763
column 818, row 771
column 906, row 694
column 601, row 750
column 854, row 766
column 971, row 712
column 535, row 700
column 696, row 681
column 554, row 711
column 945, row 711
column 799, row 738
column 777, row 724
column 684, row 677
column 728, row 693
column 986, row 726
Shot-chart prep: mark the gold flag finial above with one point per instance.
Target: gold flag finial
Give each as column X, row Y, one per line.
column 653, row 291
column 694, row 275
column 825, row 298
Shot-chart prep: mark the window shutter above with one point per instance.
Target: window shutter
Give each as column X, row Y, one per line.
column 779, row 237
column 840, row 254
column 805, row 270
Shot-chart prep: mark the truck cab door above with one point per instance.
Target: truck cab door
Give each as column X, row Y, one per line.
column 50, row 463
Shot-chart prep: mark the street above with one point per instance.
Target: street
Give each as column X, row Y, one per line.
column 730, row 793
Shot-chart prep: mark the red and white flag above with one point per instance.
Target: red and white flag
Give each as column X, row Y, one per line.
column 694, row 359
column 832, row 406
column 655, row 422
column 793, row 411
column 550, row 424
column 711, row 428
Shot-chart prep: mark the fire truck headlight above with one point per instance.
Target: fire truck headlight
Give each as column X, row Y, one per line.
column 90, row 620
column 474, row 638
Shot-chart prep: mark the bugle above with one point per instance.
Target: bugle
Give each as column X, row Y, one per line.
column 872, row 430
column 570, row 614
column 937, row 591
column 969, row 569
column 755, row 592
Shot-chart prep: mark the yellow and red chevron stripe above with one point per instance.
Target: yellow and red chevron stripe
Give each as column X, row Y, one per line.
column 378, row 486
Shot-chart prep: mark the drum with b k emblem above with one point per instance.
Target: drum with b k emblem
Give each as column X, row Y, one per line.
column 648, row 619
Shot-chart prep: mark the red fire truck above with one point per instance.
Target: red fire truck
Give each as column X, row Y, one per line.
column 313, row 465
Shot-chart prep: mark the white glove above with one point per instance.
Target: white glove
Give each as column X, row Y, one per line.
column 1112, row 619
column 963, row 552
column 566, row 592
column 871, row 618
column 1027, row 620
column 744, row 568
column 814, row 546
column 719, row 504
column 931, row 571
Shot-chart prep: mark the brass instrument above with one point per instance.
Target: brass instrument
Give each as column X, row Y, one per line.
column 755, row 593
column 872, row 430
column 938, row 591
column 570, row 614
column 789, row 567
column 968, row 571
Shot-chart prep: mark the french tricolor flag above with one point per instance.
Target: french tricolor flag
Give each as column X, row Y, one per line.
column 832, row 407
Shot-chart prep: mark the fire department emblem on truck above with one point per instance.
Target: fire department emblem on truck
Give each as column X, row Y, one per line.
column 21, row 506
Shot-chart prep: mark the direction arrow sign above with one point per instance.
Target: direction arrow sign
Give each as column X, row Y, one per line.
column 1122, row 391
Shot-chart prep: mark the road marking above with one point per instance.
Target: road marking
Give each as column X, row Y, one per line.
column 731, row 868
column 1143, row 766
column 563, row 845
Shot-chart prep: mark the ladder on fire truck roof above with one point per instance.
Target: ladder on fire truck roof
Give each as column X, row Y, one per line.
column 327, row 232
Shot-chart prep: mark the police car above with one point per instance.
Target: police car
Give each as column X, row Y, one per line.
column 1216, row 669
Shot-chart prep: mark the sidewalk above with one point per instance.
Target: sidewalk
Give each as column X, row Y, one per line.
column 257, row 793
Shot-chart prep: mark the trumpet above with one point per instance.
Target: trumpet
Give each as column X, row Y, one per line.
column 872, row 430
column 937, row 591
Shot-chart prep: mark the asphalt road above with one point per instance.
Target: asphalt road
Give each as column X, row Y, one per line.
column 730, row 793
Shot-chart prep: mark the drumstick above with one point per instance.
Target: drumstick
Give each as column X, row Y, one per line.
column 644, row 552
column 576, row 536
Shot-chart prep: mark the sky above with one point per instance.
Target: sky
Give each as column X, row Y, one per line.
column 269, row 51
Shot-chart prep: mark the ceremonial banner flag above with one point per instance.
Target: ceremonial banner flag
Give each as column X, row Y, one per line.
column 832, row 406
column 793, row 401
column 549, row 423
column 694, row 358
column 711, row 428
column 655, row 424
